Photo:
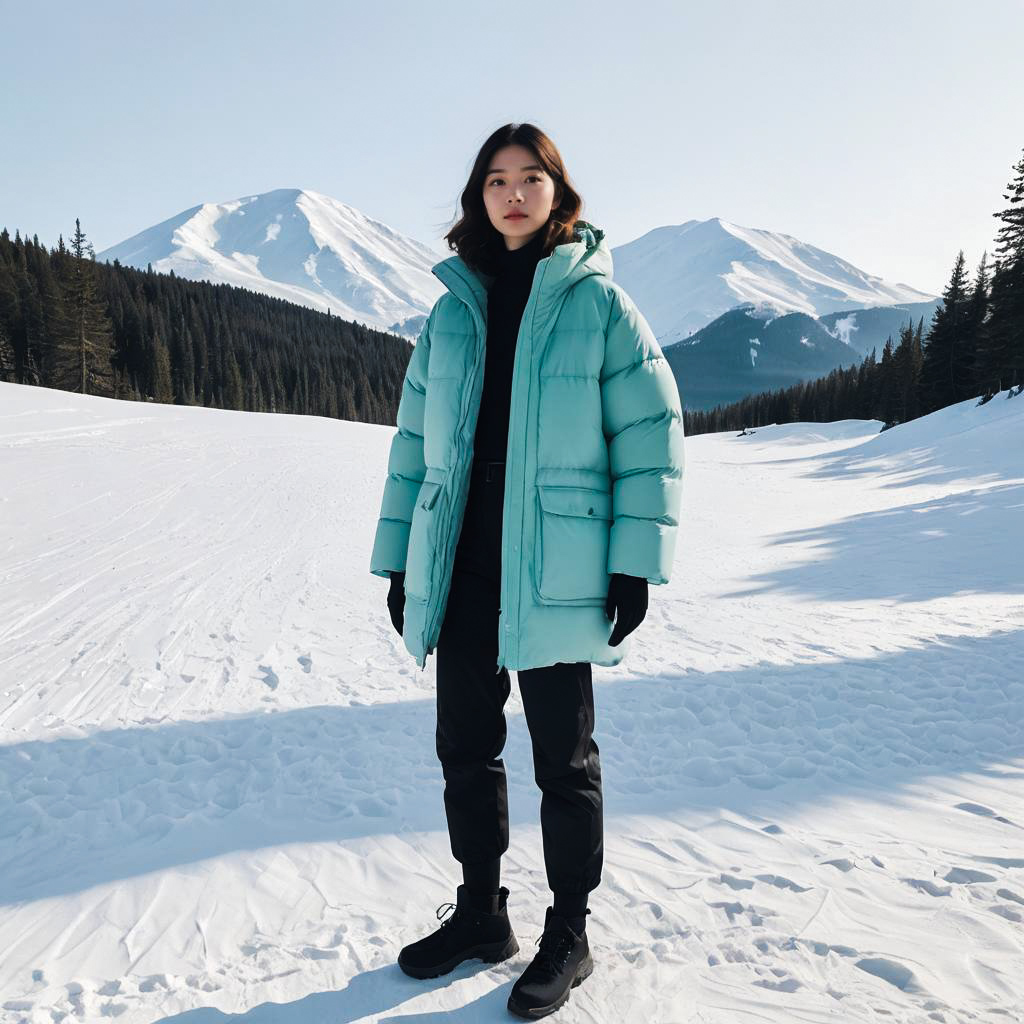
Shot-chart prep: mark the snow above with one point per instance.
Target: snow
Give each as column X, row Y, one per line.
column 844, row 328
column 219, row 787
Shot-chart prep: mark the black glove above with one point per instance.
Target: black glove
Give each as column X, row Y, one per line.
column 396, row 600
column 628, row 596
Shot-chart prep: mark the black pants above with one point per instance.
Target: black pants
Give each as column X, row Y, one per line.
column 471, row 728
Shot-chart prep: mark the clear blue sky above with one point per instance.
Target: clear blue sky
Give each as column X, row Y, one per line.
column 884, row 131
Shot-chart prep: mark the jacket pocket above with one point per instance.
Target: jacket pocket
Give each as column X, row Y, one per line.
column 423, row 535
column 571, row 550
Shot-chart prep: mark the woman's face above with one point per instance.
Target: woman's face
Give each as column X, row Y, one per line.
column 517, row 184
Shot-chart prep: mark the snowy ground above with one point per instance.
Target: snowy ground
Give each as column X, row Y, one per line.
column 219, row 798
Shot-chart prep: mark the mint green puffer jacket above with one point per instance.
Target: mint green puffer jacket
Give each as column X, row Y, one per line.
column 594, row 469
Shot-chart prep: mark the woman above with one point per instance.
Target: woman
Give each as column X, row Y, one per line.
column 533, row 493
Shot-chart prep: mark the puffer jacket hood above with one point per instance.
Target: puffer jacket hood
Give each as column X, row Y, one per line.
column 594, row 467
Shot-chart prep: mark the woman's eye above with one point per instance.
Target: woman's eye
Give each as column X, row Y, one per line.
column 501, row 181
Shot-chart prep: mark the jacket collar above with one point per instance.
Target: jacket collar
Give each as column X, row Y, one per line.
column 570, row 262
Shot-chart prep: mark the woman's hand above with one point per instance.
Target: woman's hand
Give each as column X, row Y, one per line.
column 627, row 595
column 396, row 600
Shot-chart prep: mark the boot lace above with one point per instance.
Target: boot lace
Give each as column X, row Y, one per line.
column 555, row 947
column 444, row 910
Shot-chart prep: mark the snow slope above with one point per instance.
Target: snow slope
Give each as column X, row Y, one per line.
column 683, row 276
column 219, row 797
column 298, row 245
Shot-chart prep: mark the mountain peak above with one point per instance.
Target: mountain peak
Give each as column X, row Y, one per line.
column 300, row 245
column 686, row 275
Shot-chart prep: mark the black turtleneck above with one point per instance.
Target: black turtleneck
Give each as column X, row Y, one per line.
column 506, row 300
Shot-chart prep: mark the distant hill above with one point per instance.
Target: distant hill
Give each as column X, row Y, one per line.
column 867, row 329
column 745, row 351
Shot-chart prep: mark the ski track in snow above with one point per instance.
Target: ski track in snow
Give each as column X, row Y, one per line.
column 219, row 797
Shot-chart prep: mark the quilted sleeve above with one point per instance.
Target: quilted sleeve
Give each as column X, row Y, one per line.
column 406, row 467
column 643, row 425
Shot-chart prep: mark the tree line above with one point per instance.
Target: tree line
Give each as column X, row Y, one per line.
column 974, row 347
column 70, row 322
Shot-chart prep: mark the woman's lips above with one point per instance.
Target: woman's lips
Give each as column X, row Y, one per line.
column 515, row 216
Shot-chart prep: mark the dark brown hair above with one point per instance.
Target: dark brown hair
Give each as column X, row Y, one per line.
column 474, row 237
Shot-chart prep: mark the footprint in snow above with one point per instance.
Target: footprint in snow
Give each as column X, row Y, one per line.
column 735, row 883
column 841, row 864
column 824, row 948
column 965, row 876
column 983, row 812
column 1007, row 912
column 785, row 985
column 932, row 888
column 320, row 954
column 782, row 883
column 895, row 974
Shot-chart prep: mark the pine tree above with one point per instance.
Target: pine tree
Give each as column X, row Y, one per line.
column 1002, row 358
column 163, row 390
column 7, row 369
column 915, row 362
column 234, row 392
column 888, row 385
column 943, row 366
column 83, row 338
column 907, row 367
column 966, row 356
column 976, row 329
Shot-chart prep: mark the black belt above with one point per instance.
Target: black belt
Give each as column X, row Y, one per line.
column 490, row 469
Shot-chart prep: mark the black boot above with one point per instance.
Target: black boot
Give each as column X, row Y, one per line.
column 469, row 933
column 563, row 962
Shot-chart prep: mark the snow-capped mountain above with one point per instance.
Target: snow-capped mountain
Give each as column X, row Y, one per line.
column 298, row 245
column 314, row 250
column 683, row 276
